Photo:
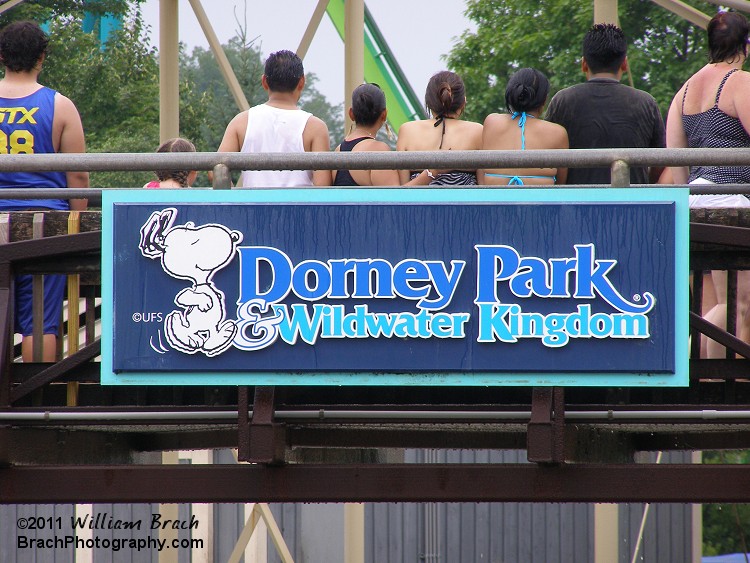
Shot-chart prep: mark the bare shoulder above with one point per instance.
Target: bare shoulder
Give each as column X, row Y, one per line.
column 473, row 131
column 496, row 122
column 405, row 133
column 407, row 128
column 741, row 83
column 315, row 135
column 316, row 124
column 64, row 106
column 234, row 134
column 556, row 134
column 372, row 145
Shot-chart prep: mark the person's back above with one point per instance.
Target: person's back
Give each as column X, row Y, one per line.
column 279, row 126
column 271, row 129
column 446, row 99
column 34, row 120
column 711, row 111
column 523, row 129
column 603, row 113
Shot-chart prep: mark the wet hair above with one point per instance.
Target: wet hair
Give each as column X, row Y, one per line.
column 22, row 44
column 604, row 48
column 368, row 104
column 527, row 90
column 727, row 37
column 445, row 93
column 175, row 145
column 283, row 71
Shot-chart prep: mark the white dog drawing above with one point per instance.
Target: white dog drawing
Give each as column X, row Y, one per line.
column 193, row 253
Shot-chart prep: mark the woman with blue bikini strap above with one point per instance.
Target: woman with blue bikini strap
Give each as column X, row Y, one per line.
column 523, row 129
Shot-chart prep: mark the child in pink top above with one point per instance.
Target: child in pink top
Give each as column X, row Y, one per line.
column 174, row 178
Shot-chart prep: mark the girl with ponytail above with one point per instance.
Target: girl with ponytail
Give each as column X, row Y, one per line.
column 445, row 99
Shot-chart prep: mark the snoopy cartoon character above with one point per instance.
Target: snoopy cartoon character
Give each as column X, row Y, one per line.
column 193, row 253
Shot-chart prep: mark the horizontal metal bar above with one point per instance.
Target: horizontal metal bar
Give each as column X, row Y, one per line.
column 145, row 416
column 376, row 483
column 411, row 160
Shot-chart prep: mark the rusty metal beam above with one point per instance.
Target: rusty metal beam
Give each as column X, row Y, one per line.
column 720, row 234
column 546, row 429
column 266, row 438
column 377, row 483
column 721, row 336
column 62, row 245
column 55, row 371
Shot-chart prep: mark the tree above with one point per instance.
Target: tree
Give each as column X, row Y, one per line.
column 48, row 10
column 663, row 49
column 201, row 71
column 726, row 527
column 116, row 86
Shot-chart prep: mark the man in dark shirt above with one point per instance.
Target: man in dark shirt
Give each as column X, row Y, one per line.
column 602, row 113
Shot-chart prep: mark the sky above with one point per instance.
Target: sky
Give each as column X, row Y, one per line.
column 418, row 36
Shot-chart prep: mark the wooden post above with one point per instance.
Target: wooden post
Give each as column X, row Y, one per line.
column 221, row 58
column 354, row 52
column 74, row 292
column 169, row 80
column 606, row 533
column 605, row 11
column 312, row 28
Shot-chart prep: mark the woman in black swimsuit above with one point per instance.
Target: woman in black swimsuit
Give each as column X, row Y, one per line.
column 368, row 112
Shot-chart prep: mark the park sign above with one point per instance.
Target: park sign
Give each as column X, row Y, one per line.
column 395, row 287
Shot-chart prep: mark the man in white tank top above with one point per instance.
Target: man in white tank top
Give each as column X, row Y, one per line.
column 279, row 126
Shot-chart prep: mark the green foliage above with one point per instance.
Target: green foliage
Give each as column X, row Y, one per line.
column 663, row 49
column 726, row 527
column 202, row 72
column 116, row 86
column 317, row 104
column 116, row 90
column 47, row 10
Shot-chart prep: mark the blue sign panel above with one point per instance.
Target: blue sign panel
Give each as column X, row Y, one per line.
column 456, row 287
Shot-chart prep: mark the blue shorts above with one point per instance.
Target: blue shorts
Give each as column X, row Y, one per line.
column 54, row 292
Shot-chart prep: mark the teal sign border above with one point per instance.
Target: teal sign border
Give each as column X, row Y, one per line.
column 678, row 196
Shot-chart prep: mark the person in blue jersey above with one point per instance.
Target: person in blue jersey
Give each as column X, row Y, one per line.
column 35, row 119
column 523, row 129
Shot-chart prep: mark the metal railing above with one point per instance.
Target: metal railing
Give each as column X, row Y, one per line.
column 222, row 164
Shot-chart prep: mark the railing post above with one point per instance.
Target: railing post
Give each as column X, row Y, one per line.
column 222, row 177
column 620, row 174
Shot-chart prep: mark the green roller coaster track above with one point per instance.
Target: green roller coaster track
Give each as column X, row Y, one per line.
column 381, row 67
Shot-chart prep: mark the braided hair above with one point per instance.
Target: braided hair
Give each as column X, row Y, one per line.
column 175, row 145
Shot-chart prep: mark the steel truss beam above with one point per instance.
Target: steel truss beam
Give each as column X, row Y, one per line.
column 376, row 483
